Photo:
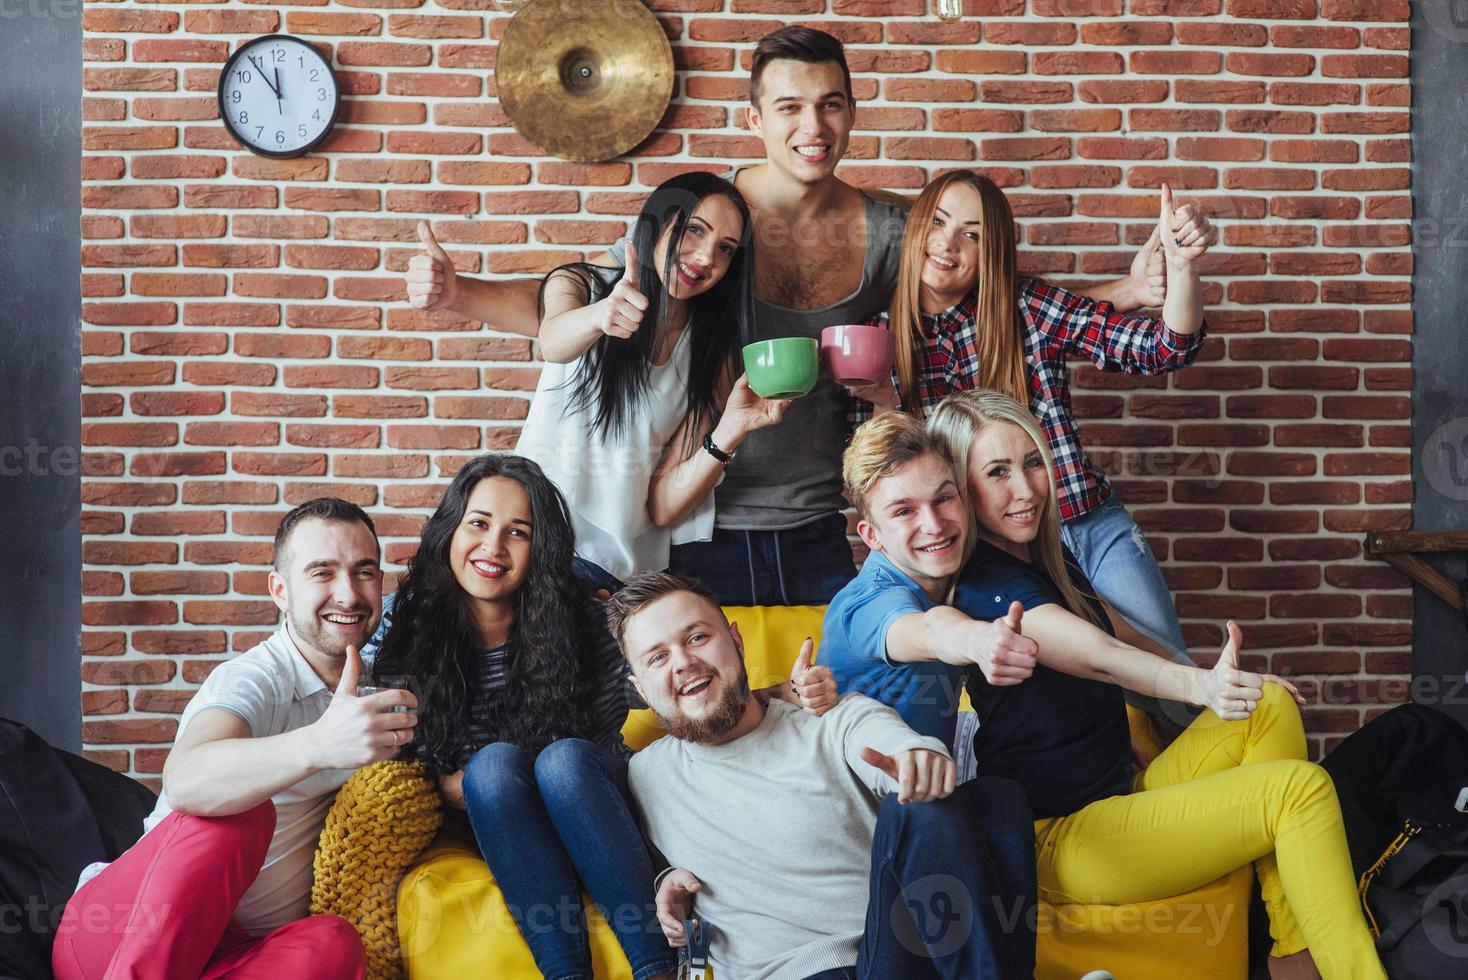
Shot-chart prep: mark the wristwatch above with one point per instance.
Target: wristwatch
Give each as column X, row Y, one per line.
column 715, row 451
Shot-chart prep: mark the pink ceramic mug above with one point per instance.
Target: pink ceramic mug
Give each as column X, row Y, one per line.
column 856, row 354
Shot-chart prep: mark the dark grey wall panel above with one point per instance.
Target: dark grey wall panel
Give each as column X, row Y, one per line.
column 1439, row 60
column 40, row 366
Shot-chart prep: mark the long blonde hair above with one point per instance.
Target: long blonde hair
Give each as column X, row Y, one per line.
column 958, row 420
column 999, row 337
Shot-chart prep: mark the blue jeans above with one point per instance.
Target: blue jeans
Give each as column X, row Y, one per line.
column 801, row 566
column 595, row 577
column 952, row 888
column 1114, row 554
column 549, row 824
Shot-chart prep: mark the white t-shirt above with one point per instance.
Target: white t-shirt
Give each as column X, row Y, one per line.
column 275, row 691
column 778, row 826
column 605, row 480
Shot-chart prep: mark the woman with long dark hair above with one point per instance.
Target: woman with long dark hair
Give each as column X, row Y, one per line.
column 963, row 317
column 522, row 696
column 640, row 402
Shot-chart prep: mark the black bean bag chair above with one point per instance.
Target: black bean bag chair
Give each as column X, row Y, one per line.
column 58, row 813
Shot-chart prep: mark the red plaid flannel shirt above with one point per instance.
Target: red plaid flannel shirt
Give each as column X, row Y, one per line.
column 1056, row 323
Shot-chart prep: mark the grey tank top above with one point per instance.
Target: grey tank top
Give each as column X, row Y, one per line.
column 790, row 474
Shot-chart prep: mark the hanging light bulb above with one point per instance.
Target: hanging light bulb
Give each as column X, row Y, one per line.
column 949, row 10
column 509, row 6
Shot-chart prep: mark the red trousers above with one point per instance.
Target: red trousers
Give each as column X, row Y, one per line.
column 162, row 912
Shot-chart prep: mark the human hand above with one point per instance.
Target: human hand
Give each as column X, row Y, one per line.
column 1148, row 274
column 921, row 775
column 675, row 903
column 814, row 688
column 1294, row 691
column 355, row 732
column 1232, row 693
column 1004, row 654
column 1185, row 233
column 620, row 314
column 881, row 395
column 745, row 412
column 431, row 280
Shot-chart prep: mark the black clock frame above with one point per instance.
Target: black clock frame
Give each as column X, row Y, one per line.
column 229, row 126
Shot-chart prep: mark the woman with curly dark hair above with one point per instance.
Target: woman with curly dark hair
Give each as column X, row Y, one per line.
column 522, row 698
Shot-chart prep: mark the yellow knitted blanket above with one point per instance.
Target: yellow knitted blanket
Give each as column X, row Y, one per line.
column 382, row 819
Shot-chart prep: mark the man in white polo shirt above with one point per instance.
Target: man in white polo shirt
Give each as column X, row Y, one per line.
column 220, row 882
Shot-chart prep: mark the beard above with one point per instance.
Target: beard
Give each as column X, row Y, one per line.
column 724, row 715
column 308, row 629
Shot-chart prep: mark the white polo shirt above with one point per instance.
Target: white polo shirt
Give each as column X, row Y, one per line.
column 275, row 691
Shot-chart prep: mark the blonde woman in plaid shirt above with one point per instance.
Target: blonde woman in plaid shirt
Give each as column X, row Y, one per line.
column 964, row 318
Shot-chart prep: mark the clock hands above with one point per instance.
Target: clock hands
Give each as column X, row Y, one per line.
column 273, row 87
column 279, row 105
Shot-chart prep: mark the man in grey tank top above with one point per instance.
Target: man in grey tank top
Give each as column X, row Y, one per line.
column 826, row 253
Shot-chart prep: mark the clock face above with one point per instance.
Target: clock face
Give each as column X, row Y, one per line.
column 279, row 96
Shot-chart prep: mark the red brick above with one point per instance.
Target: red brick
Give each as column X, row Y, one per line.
column 129, row 731
column 1025, row 92
column 231, row 434
column 1175, row 62
column 975, row 62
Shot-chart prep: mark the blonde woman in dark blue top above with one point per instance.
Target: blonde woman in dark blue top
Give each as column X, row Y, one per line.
column 1232, row 789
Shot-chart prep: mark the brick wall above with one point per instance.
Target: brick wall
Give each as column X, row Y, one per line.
column 246, row 346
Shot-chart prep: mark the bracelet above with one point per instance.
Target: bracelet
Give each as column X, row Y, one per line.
column 715, row 451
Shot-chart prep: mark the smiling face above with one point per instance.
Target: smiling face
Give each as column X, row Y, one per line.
column 804, row 116
column 914, row 516
column 688, row 665
column 1009, row 486
column 329, row 587
column 710, row 240
column 490, row 550
column 951, row 257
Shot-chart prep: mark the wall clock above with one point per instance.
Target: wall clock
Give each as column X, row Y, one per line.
column 279, row 96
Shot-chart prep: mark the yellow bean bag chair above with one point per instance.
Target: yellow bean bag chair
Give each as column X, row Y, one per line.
column 453, row 921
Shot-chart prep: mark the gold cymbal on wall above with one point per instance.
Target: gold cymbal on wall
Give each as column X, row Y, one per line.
column 585, row 79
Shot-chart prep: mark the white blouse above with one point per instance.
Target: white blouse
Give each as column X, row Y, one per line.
column 605, row 483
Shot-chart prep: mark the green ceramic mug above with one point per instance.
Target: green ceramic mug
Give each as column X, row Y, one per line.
column 784, row 368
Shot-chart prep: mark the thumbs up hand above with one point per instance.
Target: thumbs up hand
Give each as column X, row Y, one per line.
column 920, row 774
column 1148, row 274
column 814, row 688
column 1185, row 233
column 1233, row 693
column 355, row 732
column 620, row 314
column 1004, row 654
column 431, row 280
column 346, row 687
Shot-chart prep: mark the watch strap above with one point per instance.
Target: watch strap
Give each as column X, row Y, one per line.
column 714, row 451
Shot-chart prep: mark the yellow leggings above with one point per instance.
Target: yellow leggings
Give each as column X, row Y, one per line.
column 1225, row 793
